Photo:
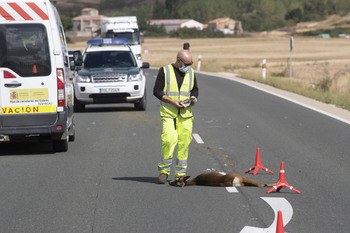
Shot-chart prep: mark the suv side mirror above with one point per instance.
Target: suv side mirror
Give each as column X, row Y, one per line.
column 145, row 65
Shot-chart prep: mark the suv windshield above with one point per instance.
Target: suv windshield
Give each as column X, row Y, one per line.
column 24, row 49
column 109, row 59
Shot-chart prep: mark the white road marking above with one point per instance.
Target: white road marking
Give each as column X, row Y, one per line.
column 231, row 189
column 198, row 138
column 288, row 99
column 276, row 203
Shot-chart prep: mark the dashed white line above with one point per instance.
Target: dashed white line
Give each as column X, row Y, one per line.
column 231, row 189
column 198, row 138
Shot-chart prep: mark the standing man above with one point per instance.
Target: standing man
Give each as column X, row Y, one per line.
column 176, row 88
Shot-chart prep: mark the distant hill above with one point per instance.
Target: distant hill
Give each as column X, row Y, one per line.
column 333, row 24
column 255, row 15
column 65, row 6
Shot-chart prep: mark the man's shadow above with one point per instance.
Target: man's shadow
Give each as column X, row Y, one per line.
column 141, row 179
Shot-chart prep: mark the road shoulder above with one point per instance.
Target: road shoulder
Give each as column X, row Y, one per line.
column 327, row 109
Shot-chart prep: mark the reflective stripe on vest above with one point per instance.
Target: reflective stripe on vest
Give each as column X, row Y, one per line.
column 171, row 90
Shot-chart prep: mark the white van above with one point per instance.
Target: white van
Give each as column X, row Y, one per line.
column 125, row 27
column 35, row 81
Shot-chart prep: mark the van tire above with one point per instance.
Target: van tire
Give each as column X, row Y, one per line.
column 78, row 106
column 60, row 145
column 141, row 105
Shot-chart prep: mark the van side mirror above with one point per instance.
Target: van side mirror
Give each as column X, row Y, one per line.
column 78, row 59
column 145, row 65
column 142, row 38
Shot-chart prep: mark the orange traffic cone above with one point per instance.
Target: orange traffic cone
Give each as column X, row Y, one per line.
column 282, row 182
column 34, row 69
column 258, row 164
column 279, row 228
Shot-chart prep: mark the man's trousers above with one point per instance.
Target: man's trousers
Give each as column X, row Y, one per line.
column 178, row 132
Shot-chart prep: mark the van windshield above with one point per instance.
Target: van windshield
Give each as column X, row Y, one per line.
column 101, row 59
column 24, row 49
column 132, row 36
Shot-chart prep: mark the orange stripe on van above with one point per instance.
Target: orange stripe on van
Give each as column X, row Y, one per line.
column 5, row 14
column 37, row 10
column 20, row 11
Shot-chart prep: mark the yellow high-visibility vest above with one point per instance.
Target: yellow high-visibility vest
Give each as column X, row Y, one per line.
column 171, row 89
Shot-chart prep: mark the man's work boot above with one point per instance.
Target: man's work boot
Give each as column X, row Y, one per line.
column 162, row 178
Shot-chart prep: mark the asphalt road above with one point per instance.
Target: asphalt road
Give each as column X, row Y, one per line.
column 106, row 182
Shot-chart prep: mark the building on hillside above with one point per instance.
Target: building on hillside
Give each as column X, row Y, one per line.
column 174, row 24
column 87, row 23
column 226, row 25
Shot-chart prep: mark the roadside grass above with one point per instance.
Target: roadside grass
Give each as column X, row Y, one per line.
column 301, row 87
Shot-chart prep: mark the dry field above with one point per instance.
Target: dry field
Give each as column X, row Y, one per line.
column 314, row 59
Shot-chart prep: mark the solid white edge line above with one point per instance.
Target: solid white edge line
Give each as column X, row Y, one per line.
column 291, row 100
column 198, row 138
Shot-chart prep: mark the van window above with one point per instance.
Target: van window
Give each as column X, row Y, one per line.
column 133, row 35
column 25, row 49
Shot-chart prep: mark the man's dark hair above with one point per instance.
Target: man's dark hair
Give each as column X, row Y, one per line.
column 186, row 45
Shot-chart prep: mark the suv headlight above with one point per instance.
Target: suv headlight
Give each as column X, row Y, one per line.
column 134, row 77
column 83, row 79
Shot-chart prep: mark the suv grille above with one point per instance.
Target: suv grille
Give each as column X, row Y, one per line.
column 108, row 77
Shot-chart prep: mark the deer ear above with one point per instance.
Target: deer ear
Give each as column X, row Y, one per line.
column 186, row 178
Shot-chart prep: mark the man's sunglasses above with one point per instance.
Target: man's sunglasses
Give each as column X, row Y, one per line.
column 188, row 64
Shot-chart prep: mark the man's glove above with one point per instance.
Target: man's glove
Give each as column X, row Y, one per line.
column 193, row 100
column 187, row 102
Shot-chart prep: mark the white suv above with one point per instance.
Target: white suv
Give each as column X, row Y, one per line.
column 109, row 73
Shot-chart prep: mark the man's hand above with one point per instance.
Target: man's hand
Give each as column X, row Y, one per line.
column 176, row 103
column 193, row 100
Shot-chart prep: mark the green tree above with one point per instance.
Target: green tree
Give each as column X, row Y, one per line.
column 67, row 22
column 295, row 15
column 256, row 15
column 110, row 4
column 158, row 11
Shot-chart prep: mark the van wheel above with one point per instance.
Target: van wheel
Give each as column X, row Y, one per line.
column 141, row 105
column 78, row 106
column 60, row 145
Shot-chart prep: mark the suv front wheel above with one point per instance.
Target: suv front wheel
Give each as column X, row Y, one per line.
column 141, row 105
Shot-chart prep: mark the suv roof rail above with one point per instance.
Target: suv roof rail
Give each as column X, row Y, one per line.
column 108, row 41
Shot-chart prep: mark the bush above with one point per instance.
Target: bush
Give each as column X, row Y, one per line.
column 332, row 32
column 67, row 22
column 185, row 33
column 151, row 30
